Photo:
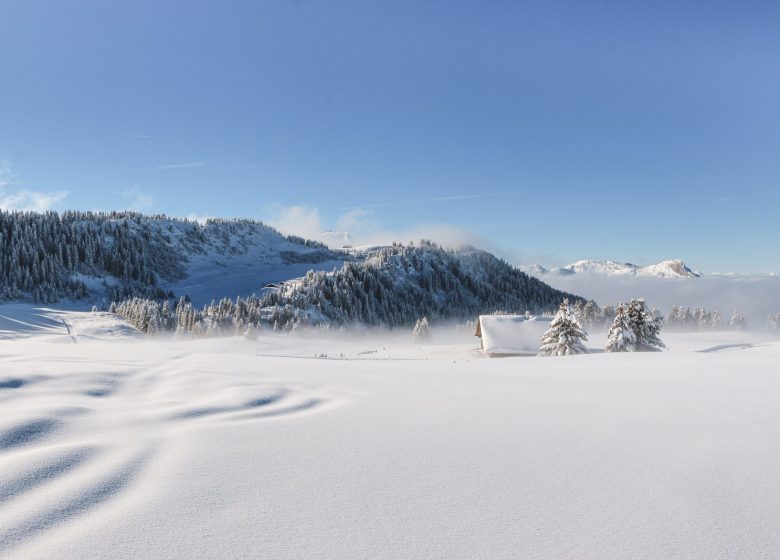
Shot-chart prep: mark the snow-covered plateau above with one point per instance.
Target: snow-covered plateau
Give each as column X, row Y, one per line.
column 114, row 445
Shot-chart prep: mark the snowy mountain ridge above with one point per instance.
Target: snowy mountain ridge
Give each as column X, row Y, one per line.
column 674, row 268
column 99, row 258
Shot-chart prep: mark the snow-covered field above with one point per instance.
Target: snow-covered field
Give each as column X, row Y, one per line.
column 116, row 446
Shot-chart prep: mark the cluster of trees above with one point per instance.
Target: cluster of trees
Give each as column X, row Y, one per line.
column 634, row 329
column 699, row 318
column 225, row 317
column 591, row 316
column 773, row 322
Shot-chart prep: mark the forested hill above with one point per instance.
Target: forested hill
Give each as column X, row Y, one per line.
column 390, row 286
column 94, row 256
column 103, row 257
column 396, row 285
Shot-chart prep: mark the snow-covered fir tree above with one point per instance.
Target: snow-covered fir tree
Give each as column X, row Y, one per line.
column 565, row 335
column 422, row 331
column 621, row 337
column 635, row 329
column 646, row 326
column 773, row 322
column 738, row 321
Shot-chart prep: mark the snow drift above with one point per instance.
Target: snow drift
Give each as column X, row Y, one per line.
column 206, row 449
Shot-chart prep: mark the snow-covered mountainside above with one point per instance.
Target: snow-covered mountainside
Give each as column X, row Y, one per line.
column 399, row 284
column 392, row 286
column 93, row 257
column 104, row 257
column 675, row 268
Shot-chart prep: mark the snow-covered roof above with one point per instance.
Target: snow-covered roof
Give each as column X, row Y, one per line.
column 511, row 334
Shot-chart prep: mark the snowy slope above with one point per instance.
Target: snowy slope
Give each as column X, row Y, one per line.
column 239, row 259
column 21, row 320
column 95, row 257
column 205, row 449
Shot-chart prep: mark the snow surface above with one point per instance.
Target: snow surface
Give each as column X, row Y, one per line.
column 124, row 447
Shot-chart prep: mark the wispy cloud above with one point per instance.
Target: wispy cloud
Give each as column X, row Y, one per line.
column 136, row 199
column 35, row 201
column 185, row 165
column 365, row 228
column 456, row 197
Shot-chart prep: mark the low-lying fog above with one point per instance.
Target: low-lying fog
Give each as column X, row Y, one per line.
column 752, row 296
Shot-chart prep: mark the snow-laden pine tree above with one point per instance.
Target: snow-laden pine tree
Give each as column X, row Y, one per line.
column 621, row 337
column 646, row 326
column 422, row 331
column 738, row 321
column 635, row 329
column 565, row 335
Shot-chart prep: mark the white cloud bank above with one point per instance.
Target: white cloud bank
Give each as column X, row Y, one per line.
column 751, row 295
column 365, row 228
column 34, row 201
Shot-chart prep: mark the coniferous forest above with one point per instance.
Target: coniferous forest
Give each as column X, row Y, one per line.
column 393, row 287
column 52, row 256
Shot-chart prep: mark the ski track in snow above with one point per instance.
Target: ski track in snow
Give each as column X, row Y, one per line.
column 49, row 477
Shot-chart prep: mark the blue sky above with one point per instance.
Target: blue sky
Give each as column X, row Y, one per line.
column 547, row 131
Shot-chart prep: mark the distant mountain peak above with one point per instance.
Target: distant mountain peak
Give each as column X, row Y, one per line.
column 673, row 268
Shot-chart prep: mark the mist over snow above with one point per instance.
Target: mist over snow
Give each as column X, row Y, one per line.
column 754, row 296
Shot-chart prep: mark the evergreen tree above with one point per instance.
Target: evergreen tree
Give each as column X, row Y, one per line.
column 621, row 337
column 635, row 329
column 738, row 322
column 646, row 326
column 422, row 331
column 565, row 335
